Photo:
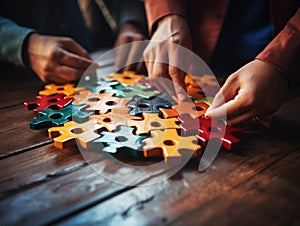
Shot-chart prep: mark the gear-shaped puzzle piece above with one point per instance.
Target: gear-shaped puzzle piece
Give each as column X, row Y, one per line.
column 169, row 145
column 84, row 133
column 152, row 122
column 49, row 118
column 123, row 138
column 139, row 105
column 112, row 120
column 67, row 89
column 140, row 90
column 193, row 109
column 196, row 81
column 207, row 132
column 57, row 101
column 126, row 78
column 100, row 103
column 188, row 124
column 99, row 85
column 79, row 114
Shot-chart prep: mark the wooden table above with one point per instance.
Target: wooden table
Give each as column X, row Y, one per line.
column 258, row 184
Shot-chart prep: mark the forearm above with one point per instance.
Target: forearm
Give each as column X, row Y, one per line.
column 12, row 39
column 283, row 50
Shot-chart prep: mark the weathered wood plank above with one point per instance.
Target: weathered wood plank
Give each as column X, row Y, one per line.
column 269, row 198
column 194, row 199
column 37, row 166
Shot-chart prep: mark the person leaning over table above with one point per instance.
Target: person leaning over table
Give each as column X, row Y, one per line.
column 255, row 41
column 53, row 37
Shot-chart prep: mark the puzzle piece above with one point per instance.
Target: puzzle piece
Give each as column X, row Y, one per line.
column 152, row 122
column 124, row 137
column 79, row 114
column 150, row 83
column 126, row 78
column 193, row 109
column 110, row 121
column 196, row 81
column 206, row 132
column 43, row 101
column 100, row 103
column 49, row 118
column 140, row 90
column 195, row 92
column 139, row 105
column 207, row 100
column 67, row 89
column 168, row 144
column 100, row 85
column 84, row 133
column 188, row 124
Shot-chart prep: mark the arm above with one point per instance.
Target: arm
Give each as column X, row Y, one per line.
column 132, row 28
column 258, row 88
column 12, row 38
column 169, row 28
column 53, row 59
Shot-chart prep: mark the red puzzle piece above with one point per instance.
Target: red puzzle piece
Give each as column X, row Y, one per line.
column 206, row 132
column 42, row 102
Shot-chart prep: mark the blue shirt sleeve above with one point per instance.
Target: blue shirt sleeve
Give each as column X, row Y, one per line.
column 12, row 37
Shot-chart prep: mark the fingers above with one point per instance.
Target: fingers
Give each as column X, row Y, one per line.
column 66, row 74
column 178, row 77
column 241, row 119
column 74, row 47
column 73, row 60
column 135, row 56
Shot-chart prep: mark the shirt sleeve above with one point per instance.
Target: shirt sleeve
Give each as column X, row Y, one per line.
column 283, row 51
column 157, row 9
column 12, row 38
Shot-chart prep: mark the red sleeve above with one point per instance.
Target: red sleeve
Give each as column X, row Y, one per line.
column 283, row 51
column 157, row 9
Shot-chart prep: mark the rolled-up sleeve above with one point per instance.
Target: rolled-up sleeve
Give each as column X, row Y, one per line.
column 157, row 9
column 283, row 51
column 12, row 37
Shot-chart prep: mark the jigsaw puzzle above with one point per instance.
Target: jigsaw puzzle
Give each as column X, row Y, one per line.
column 130, row 112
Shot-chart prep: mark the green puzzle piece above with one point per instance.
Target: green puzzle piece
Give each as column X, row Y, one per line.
column 52, row 118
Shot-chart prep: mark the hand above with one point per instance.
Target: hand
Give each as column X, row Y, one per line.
column 56, row 59
column 133, row 52
column 171, row 29
column 257, row 89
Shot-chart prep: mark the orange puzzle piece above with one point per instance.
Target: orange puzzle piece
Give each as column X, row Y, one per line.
column 152, row 122
column 126, row 78
column 84, row 133
column 67, row 89
column 168, row 144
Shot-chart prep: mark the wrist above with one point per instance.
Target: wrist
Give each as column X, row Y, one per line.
column 280, row 72
column 175, row 17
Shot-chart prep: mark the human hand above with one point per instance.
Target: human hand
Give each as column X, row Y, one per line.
column 255, row 90
column 128, row 54
column 56, row 59
column 171, row 29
